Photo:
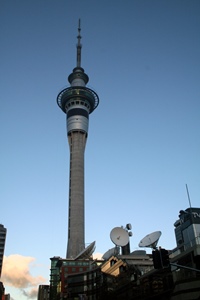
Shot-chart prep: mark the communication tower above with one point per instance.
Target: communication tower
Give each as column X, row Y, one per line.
column 77, row 102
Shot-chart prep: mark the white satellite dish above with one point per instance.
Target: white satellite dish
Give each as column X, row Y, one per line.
column 111, row 252
column 87, row 252
column 119, row 236
column 150, row 240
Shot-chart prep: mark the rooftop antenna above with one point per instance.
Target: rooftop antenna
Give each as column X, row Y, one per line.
column 78, row 60
column 188, row 196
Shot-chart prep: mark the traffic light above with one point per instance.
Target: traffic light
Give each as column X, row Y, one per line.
column 160, row 258
column 156, row 259
column 164, row 257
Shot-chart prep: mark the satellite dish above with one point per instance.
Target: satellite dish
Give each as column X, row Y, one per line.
column 111, row 252
column 139, row 252
column 87, row 252
column 150, row 240
column 119, row 236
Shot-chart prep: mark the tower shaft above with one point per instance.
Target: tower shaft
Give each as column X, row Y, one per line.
column 76, row 222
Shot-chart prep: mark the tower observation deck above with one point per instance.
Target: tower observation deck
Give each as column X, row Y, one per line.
column 77, row 101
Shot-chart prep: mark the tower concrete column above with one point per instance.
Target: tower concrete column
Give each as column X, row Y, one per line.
column 76, row 221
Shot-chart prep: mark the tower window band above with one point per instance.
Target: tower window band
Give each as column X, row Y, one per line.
column 77, row 111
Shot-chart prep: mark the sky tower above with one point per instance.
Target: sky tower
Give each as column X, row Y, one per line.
column 77, row 101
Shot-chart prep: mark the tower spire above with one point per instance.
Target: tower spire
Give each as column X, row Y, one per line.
column 78, row 77
column 79, row 46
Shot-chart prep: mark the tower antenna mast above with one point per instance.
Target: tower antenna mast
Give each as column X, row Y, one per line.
column 188, row 196
column 79, row 46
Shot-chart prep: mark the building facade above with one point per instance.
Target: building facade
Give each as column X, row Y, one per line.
column 43, row 292
column 3, row 232
column 187, row 228
column 185, row 258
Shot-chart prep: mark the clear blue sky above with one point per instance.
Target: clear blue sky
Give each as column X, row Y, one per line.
column 143, row 60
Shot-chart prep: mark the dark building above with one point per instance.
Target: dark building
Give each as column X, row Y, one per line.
column 69, row 278
column 2, row 290
column 2, row 245
column 187, row 228
column 43, row 292
column 186, row 256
